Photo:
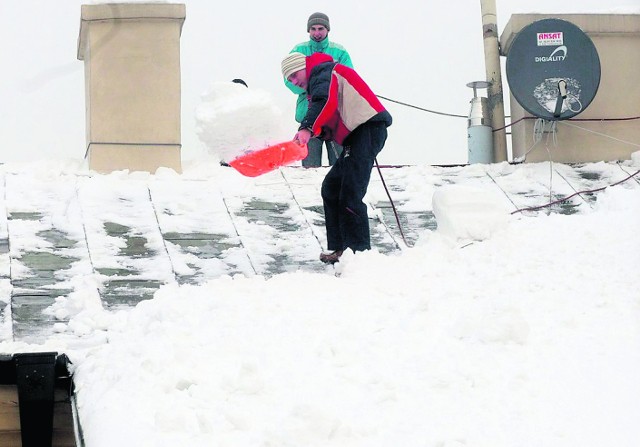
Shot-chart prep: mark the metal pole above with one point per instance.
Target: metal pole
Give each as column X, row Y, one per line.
column 492, row 66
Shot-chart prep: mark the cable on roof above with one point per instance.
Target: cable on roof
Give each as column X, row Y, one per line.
column 393, row 206
column 535, row 208
column 595, row 120
column 421, row 108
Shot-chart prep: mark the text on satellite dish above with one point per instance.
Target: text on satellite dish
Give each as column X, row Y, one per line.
column 558, row 55
column 550, row 39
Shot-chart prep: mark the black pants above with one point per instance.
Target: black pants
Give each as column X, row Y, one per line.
column 345, row 186
column 314, row 157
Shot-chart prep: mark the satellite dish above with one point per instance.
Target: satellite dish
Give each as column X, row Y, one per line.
column 553, row 69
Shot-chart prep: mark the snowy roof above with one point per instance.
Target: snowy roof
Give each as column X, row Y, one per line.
column 132, row 233
column 85, row 253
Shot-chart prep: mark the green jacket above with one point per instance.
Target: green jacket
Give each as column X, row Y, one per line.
column 335, row 50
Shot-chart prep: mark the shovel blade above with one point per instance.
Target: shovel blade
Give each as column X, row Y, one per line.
column 268, row 159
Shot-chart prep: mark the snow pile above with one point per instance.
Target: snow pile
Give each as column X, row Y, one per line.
column 491, row 344
column 466, row 213
column 527, row 337
column 233, row 119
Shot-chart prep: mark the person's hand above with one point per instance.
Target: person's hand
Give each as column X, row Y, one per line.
column 302, row 137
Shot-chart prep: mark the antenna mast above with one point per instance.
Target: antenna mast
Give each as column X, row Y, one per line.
column 492, row 66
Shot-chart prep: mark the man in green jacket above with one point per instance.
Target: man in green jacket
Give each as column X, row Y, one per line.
column 318, row 28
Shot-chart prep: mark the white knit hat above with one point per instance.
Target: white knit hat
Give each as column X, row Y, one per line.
column 293, row 62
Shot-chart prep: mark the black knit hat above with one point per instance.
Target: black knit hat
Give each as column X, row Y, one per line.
column 318, row 18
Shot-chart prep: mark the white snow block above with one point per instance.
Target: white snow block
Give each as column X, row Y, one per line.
column 635, row 158
column 468, row 213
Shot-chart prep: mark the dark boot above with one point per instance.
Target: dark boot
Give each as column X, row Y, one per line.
column 331, row 258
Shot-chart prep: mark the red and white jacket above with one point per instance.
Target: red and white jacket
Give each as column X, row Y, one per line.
column 339, row 100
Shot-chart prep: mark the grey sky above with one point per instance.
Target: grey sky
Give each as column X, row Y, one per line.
column 407, row 50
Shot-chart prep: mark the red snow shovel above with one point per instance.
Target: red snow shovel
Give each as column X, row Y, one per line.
column 272, row 157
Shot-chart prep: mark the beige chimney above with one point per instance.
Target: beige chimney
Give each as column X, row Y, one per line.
column 131, row 54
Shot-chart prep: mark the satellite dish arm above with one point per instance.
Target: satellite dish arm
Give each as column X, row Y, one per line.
column 562, row 95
